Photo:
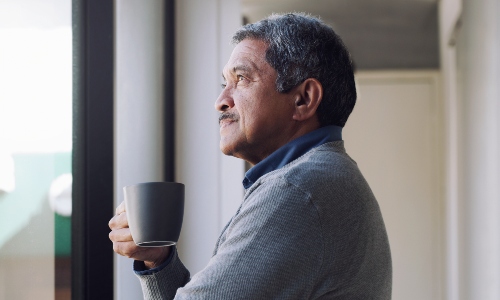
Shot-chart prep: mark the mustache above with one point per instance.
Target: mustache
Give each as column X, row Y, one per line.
column 228, row 115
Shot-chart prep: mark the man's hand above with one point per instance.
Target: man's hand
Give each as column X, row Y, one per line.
column 123, row 243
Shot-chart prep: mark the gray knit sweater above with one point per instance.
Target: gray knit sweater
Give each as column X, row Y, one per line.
column 309, row 230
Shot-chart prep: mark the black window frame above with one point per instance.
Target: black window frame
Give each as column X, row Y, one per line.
column 93, row 118
column 169, row 92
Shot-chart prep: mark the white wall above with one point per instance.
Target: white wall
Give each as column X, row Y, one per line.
column 478, row 48
column 138, row 110
column 394, row 135
column 449, row 16
column 213, row 182
column 470, row 55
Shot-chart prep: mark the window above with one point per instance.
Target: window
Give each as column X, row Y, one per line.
column 35, row 149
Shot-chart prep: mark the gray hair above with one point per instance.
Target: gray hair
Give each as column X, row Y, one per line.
column 302, row 47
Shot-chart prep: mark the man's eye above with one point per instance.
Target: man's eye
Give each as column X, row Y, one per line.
column 240, row 77
column 223, row 85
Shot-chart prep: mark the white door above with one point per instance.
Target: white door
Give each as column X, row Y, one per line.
column 393, row 135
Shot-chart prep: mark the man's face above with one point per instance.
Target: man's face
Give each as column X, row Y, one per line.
column 255, row 119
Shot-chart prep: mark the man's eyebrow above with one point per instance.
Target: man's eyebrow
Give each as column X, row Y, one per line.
column 244, row 68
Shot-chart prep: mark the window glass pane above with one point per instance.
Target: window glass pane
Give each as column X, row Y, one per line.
column 35, row 149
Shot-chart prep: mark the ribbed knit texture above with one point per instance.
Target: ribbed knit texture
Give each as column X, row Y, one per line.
column 310, row 230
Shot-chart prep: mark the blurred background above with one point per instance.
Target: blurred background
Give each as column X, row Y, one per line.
column 425, row 132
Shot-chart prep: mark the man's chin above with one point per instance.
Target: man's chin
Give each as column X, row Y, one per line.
column 229, row 147
column 226, row 151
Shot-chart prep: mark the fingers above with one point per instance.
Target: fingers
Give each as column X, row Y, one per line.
column 118, row 221
column 120, row 235
column 124, row 245
column 127, row 249
column 120, row 209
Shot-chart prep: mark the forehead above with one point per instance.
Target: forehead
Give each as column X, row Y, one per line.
column 249, row 55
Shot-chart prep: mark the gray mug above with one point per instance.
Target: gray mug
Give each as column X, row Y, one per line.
column 154, row 212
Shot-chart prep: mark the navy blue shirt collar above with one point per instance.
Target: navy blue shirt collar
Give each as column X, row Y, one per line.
column 291, row 151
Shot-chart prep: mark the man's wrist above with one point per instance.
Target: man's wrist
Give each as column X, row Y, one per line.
column 158, row 262
column 141, row 268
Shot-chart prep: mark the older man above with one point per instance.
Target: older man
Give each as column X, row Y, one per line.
column 309, row 226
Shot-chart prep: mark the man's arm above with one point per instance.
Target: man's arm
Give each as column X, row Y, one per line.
column 272, row 249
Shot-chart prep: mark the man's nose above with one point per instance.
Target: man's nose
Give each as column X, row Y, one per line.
column 224, row 101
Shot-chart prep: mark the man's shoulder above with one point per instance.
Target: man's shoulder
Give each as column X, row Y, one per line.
column 326, row 170
column 325, row 162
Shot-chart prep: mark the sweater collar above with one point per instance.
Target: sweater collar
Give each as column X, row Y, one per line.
column 291, row 151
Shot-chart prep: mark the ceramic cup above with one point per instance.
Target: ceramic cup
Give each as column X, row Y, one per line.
column 155, row 211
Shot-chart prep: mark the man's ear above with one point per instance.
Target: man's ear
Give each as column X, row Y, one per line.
column 308, row 97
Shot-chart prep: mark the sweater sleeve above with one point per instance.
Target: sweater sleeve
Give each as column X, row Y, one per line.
column 164, row 283
column 272, row 249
